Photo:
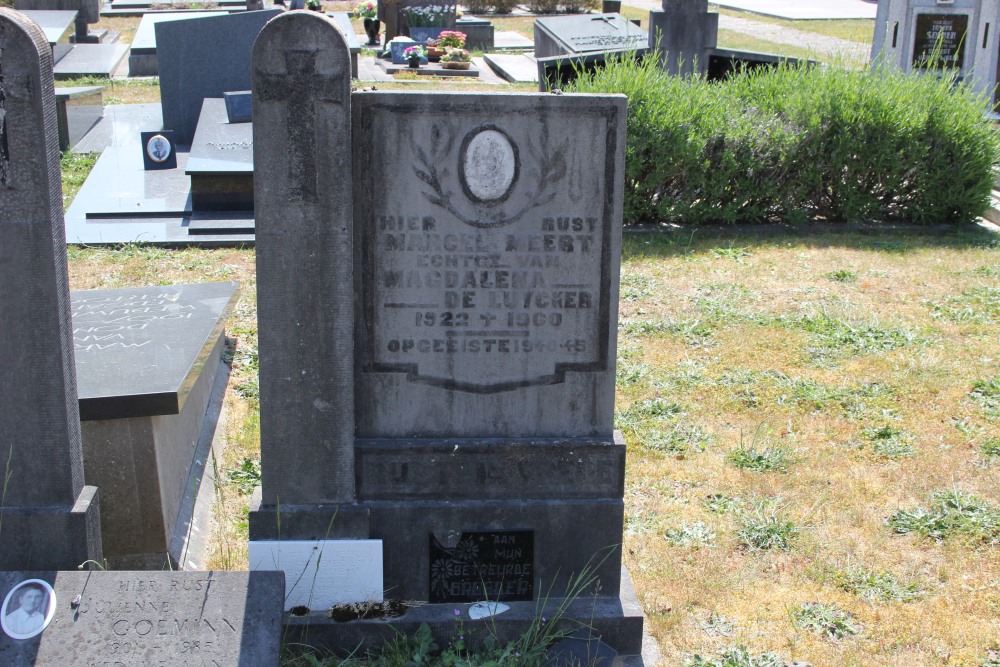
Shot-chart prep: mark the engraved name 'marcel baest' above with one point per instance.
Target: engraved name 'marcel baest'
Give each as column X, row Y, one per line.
column 516, row 302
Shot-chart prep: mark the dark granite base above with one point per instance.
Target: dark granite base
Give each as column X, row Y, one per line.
column 52, row 538
column 617, row 620
column 222, row 192
column 569, row 535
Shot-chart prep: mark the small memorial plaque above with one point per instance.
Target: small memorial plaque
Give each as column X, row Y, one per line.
column 136, row 619
column 484, row 566
column 939, row 41
column 158, row 150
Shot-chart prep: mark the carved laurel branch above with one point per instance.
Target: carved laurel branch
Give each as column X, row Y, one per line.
column 552, row 169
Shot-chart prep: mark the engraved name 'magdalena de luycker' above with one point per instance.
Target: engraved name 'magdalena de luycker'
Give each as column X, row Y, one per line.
column 492, row 279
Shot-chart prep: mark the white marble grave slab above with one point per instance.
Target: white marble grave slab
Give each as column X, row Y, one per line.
column 320, row 574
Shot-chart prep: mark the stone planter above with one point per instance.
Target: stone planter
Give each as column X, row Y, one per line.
column 455, row 65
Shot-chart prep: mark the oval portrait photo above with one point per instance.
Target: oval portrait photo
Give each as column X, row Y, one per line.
column 27, row 609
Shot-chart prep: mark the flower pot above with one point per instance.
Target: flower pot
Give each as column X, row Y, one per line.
column 456, row 65
column 371, row 29
column 414, row 63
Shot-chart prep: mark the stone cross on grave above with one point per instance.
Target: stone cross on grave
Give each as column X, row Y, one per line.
column 301, row 88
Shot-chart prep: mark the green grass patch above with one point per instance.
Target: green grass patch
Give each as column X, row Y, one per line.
column 875, row 585
column 887, row 442
column 75, row 168
column 737, row 656
column 763, row 527
column 826, row 620
column 246, row 476
column 834, row 338
column 991, row 449
column 986, row 394
column 693, row 535
column 678, row 438
column 979, row 305
column 950, row 514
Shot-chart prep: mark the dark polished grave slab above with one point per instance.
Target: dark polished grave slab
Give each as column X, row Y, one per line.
column 91, row 60
column 142, row 58
column 186, row 47
column 221, row 161
column 133, row 619
column 516, row 68
column 147, row 360
column 586, row 33
column 120, row 126
column 57, row 24
column 78, row 110
column 139, row 350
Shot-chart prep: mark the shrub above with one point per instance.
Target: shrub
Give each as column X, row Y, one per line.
column 797, row 144
column 543, row 6
column 504, row 6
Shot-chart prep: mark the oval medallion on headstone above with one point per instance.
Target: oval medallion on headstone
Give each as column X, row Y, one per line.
column 158, row 148
column 488, row 165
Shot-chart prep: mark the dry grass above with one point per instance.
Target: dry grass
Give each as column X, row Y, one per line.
column 752, row 377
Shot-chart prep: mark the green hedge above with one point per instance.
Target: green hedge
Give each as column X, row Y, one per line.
column 798, row 144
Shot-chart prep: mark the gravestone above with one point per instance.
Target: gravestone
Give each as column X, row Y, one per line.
column 203, row 57
column 566, row 44
column 49, row 517
column 148, row 359
column 142, row 56
column 684, row 32
column 139, row 619
column 931, row 35
column 221, row 161
column 437, row 363
column 88, row 13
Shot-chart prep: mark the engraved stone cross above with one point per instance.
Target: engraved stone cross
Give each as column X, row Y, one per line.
column 10, row 87
column 301, row 87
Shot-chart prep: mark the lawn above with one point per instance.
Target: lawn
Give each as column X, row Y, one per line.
column 784, row 398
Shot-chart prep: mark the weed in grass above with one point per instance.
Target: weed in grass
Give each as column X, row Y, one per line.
column 718, row 625
column 952, row 513
column 835, row 338
column 988, row 271
column 695, row 535
column 979, row 305
column 841, row 276
column 719, row 503
column 694, row 332
column 642, row 522
column 737, row 656
column 888, row 442
column 826, row 620
column 650, row 408
column 737, row 253
column 680, row 438
column 767, row 458
column 986, row 394
column 875, row 586
column 635, row 287
column 991, row 449
column 631, row 372
column 246, row 476
column 764, row 527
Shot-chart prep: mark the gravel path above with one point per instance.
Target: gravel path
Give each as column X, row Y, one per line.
column 823, row 46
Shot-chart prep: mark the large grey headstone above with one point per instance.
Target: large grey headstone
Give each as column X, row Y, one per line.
column 684, row 32
column 203, row 57
column 50, row 519
column 139, row 619
column 961, row 35
column 437, row 364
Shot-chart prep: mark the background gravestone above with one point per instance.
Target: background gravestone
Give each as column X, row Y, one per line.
column 49, row 518
column 908, row 32
column 88, row 12
column 203, row 57
column 684, row 32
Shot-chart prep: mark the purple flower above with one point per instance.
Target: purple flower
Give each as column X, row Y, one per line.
column 458, row 612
